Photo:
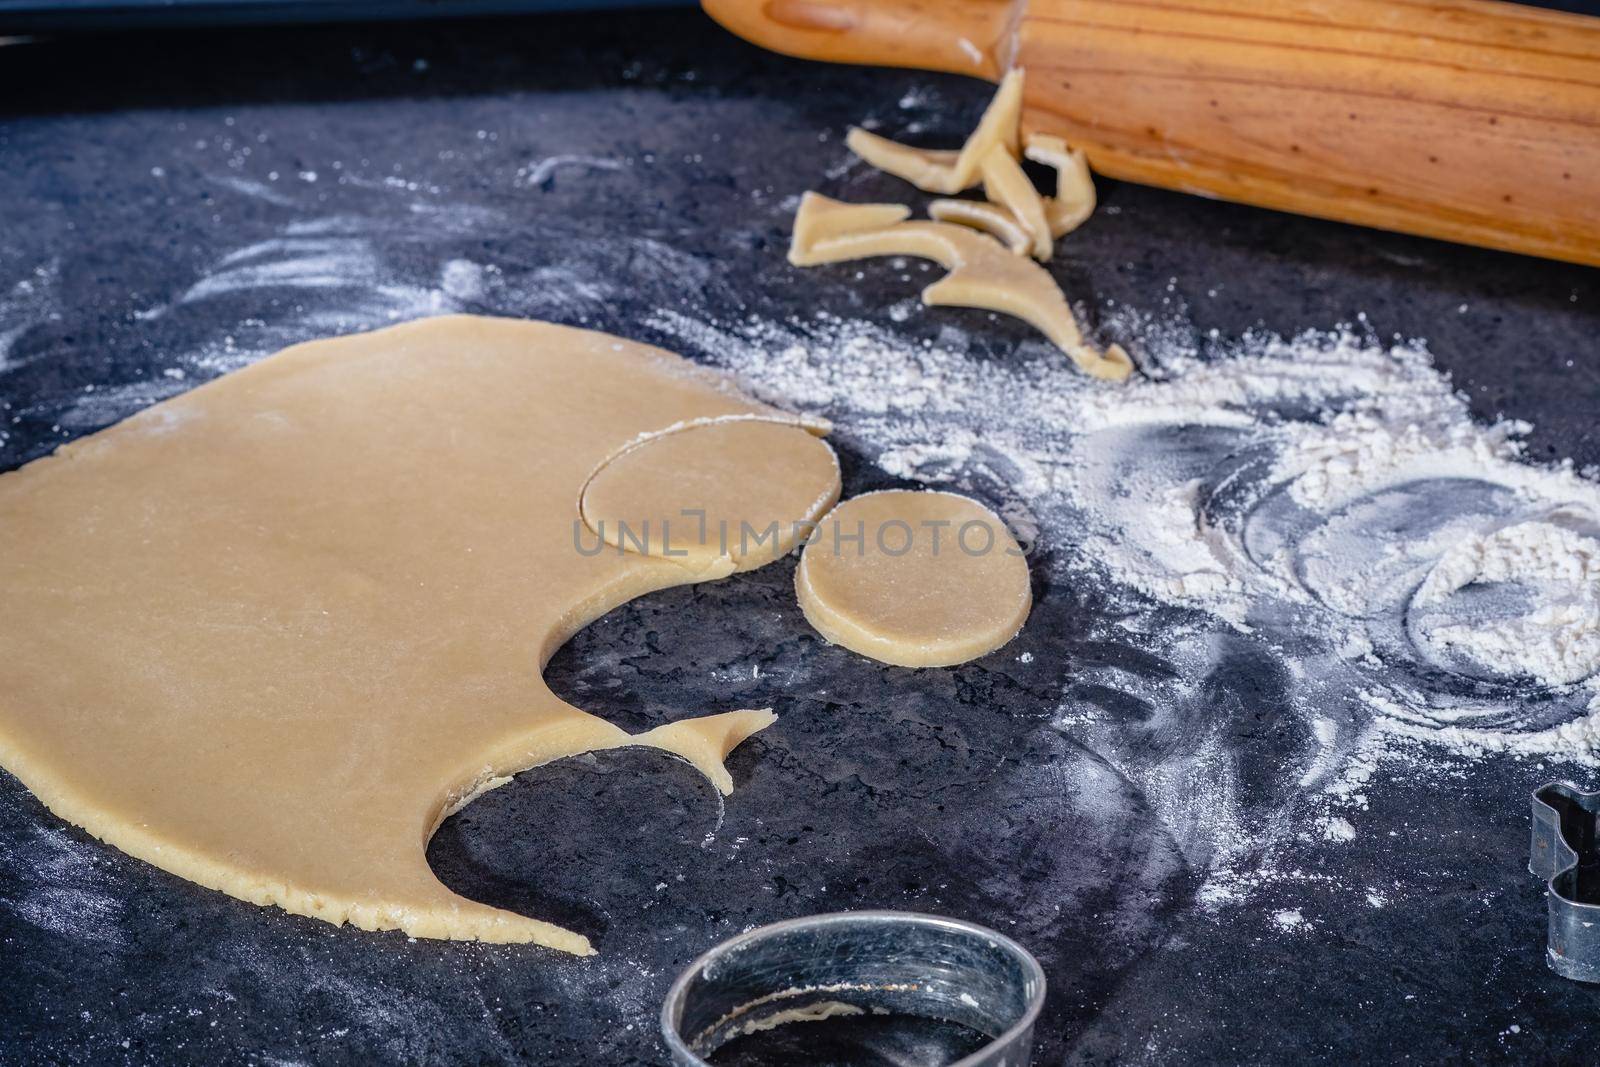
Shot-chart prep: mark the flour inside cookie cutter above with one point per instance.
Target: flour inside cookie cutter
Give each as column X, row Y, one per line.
column 1565, row 851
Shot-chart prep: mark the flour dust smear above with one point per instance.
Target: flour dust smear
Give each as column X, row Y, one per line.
column 1324, row 502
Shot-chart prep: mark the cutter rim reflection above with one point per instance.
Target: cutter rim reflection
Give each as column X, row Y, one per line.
column 672, row 1008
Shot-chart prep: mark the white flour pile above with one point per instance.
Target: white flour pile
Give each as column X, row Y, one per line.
column 1424, row 588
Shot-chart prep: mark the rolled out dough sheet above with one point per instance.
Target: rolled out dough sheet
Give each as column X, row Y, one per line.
column 268, row 634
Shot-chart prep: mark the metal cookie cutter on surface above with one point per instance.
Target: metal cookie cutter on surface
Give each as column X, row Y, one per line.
column 1566, row 853
column 858, row 963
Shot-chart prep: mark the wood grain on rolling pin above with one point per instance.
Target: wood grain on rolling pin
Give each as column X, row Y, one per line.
column 1469, row 120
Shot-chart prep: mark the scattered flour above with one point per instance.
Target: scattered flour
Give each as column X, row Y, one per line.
column 29, row 302
column 1328, row 492
column 1556, row 638
column 1428, row 593
column 1290, row 919
column 536, row 174
column 59, row 884
column 1337, row 828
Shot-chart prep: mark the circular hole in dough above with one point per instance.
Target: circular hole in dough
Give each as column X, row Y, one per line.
column 916, row 579
column 740, row 491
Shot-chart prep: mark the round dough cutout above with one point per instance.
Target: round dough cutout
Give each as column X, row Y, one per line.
column 735, row 490
column 915, row 579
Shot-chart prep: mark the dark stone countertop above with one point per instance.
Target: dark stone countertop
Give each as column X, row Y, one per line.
column 130, row 167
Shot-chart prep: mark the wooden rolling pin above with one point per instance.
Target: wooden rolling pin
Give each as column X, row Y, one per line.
column 1469, row 120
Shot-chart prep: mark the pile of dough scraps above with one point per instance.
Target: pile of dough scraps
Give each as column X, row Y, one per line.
column 965, row 236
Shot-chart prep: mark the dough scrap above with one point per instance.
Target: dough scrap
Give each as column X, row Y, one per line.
column 850, row 218
column 827, row 231
column 982, row 275
column 1006, row 185
column 985, row 217
column 943, row 171
column 1074, row 201
column 267, row 634
column 935, row 579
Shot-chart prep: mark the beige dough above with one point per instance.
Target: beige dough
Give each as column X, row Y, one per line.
column 982, row 273
column 1075, row 197
column 1006, row 185
column 827, row 231
column 946, row 172
column 990, row 156
column 816, row 227
column 916, row 579
column 730, row 493
column 991, row 219
column 268, row 634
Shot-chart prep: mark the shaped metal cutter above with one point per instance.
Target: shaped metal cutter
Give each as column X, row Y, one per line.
column 1565, row 852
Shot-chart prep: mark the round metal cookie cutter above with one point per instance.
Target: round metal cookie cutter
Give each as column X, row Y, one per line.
column 858, row 963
